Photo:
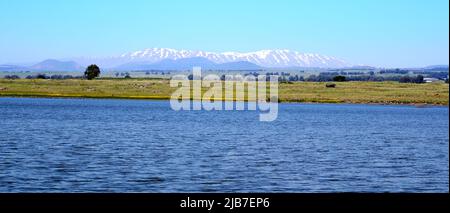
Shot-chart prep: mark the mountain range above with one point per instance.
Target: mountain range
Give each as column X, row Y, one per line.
column 263, row 58
column 171, row 59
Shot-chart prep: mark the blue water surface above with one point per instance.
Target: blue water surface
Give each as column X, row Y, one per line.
column 87, row 145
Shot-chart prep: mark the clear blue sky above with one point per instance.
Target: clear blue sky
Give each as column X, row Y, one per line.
column 391, row 33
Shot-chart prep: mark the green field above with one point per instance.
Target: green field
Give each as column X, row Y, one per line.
column 345, row 92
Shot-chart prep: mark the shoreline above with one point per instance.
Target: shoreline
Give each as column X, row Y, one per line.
column 162, row 98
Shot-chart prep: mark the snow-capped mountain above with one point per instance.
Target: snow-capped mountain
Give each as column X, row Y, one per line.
column 263, row 58
column 171, row 59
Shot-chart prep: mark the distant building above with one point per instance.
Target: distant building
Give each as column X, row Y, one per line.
column 430, row 80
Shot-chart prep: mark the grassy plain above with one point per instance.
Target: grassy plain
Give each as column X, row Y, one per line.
column 309, row 92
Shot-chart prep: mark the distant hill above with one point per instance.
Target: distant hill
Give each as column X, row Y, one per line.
column 55, row 65
column 12, row 68
column 239, row 65
column 437, row 68
column 184, row 64
column 187, row 64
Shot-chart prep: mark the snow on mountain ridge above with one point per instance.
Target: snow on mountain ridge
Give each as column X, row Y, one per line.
column 265, row 58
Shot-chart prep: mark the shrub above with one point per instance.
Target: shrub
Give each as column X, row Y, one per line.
column 339, row 78
column 330, row 85
column 12, row 77
column 407, row 79
column 41, row 76
column 419, row 79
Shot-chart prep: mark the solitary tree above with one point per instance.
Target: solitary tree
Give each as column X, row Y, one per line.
column 93, row 71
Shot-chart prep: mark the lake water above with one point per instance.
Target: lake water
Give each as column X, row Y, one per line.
column 84, row 145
